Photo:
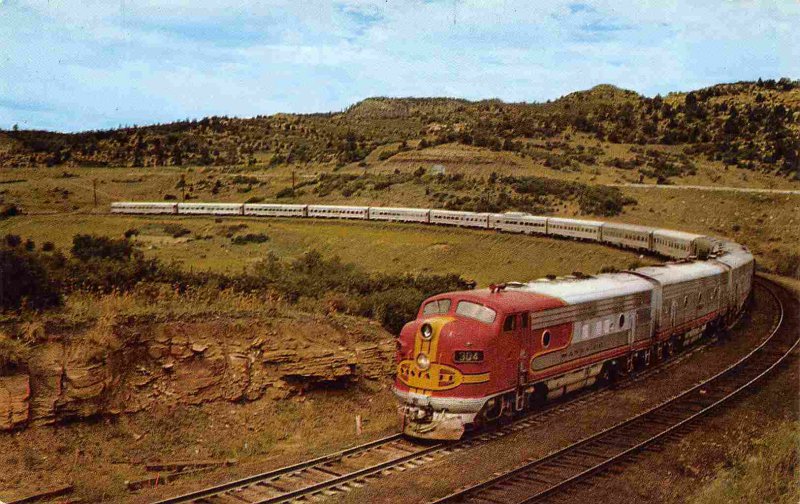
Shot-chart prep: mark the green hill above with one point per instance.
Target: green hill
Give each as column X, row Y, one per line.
column 755, row 125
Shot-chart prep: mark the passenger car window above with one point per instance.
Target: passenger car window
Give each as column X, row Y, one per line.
column 476, row 311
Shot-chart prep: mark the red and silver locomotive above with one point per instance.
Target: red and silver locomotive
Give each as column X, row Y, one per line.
column 474, row 357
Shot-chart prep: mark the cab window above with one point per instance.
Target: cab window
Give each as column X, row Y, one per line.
column 476, row 311
column 438, row 306
column 510, row 323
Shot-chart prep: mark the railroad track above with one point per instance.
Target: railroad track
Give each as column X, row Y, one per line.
column 549, row 476
column 342, row 471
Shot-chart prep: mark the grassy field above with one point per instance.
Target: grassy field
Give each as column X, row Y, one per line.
column 767, row 223
column 389, row 248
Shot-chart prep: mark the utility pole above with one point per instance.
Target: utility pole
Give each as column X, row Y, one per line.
column 292, row 180
column 94, row 191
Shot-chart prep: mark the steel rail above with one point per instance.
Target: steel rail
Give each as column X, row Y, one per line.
column 479, row 438
column 496, row 482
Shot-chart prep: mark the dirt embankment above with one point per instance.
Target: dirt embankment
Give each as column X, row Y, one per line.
column 126, row 366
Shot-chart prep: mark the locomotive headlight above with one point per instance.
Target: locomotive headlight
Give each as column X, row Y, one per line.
column 423, row 362
column 427, row 331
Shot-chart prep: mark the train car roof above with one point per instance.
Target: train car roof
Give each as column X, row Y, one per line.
column 459, row 212
column 573, row 290
column 671, row 273
column 503, row 301
column 678, row 235
column 400, row 209
column 564, row 220
column 210, row 204
column 735, row 256
column 519, row 215
column 261, row 205
column 337, row 207
column 628, row 227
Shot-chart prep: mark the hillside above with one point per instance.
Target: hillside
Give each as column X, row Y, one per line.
column 752, row 125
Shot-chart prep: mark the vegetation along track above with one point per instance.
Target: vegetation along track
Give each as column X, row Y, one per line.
column 549, row 476
column 341, row 471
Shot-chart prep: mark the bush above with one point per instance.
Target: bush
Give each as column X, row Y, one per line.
column 14, row 355
column 393, row 308
column 130, row 233
column 85, row 247
column 788, row 264
column 603, row 200
column 250, row 238
column 9, row 211
column 25, row 280
column 48, row 246
column 12, row 240
column 286, row 192
column 176, row 230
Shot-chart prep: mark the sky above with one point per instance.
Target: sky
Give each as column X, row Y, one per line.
column 68, row 65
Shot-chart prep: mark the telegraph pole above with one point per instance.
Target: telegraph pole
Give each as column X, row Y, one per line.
column 94, row 191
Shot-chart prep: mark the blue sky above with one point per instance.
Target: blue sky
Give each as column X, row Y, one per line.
column 74, row 65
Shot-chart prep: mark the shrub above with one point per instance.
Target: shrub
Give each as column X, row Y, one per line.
column 176, row 230
column 250, row 238
column 254, row 199
column 48, row 246
column 25, row 280
column 14, row 355
column 286, row 192
column 85, row 247
column 131, row 233
column 788, row 264
column 603, row 200
column 9, row 210
column 12, row 240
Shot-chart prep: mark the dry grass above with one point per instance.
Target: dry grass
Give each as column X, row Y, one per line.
column 389, row 248
column 766, row 471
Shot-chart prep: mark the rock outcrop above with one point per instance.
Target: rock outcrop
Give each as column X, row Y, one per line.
column 183, row 363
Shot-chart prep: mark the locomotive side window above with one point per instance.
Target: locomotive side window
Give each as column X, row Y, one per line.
column 525, row 318
column 546, row 339
column 509, row 324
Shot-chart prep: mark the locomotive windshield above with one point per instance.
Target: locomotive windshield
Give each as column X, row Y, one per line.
column 475, row 311
column 436, row 307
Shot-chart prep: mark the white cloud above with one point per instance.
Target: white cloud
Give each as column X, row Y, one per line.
column 73, row 65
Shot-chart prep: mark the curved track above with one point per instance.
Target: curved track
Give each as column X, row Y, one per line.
column 344, row 470
column 548, row 476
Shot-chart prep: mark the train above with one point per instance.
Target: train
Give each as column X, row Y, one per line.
column 664, row 242
column 477, row 357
